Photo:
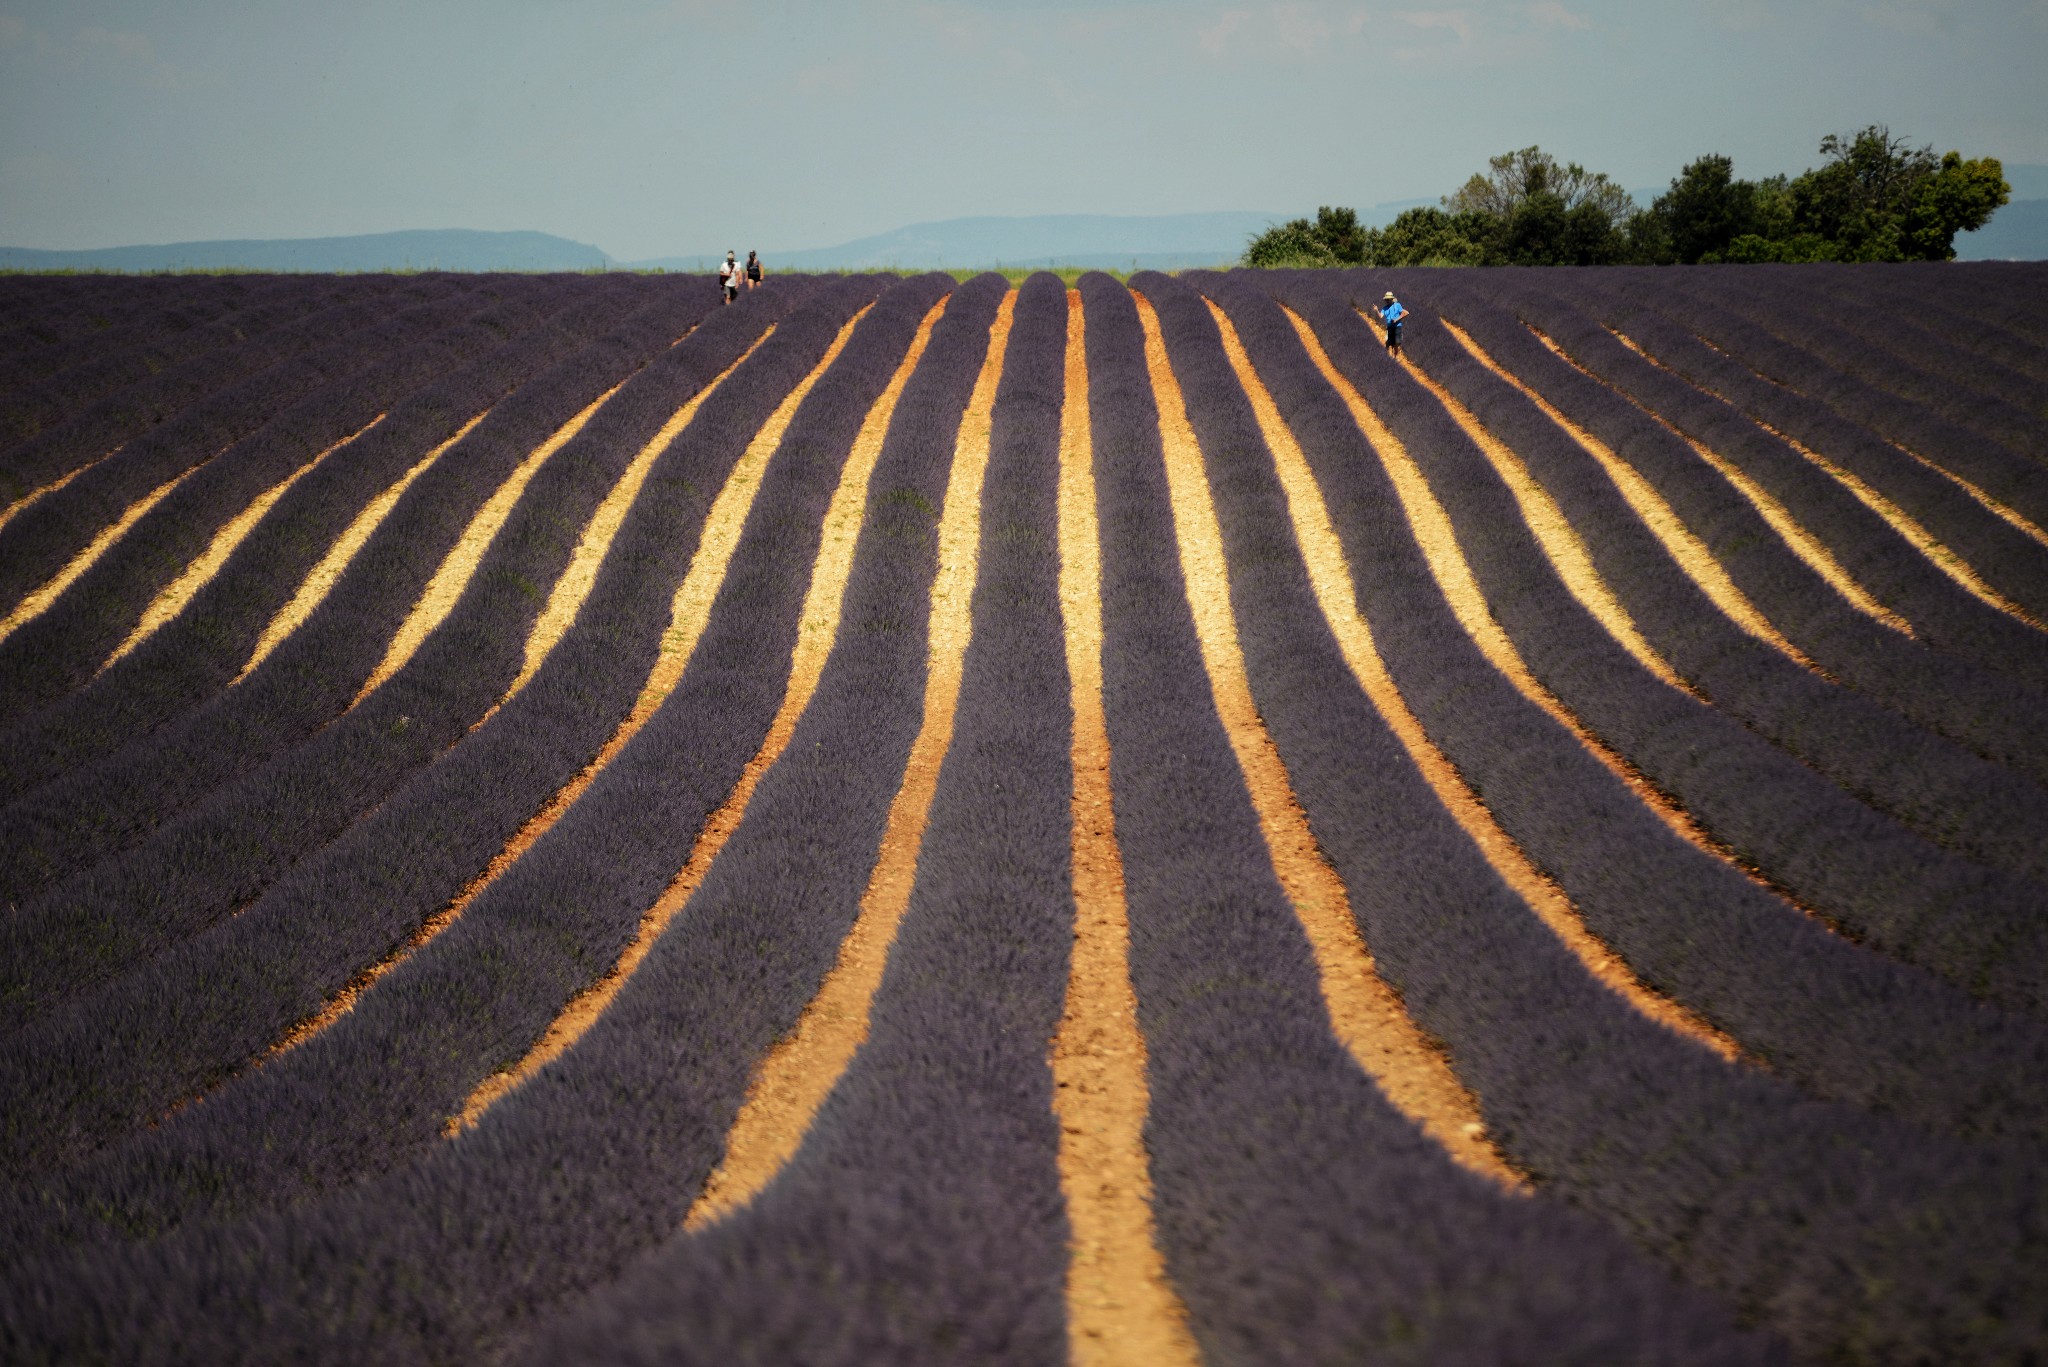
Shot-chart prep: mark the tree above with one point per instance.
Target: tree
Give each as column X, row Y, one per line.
column 1528, row 210
column 1877, row 198
column 1705, row 209
column 1959, row 197
column 1292, row 243
column 1512, row 178
column 1335, row 238
column 1431, row 237
column 1546, row 214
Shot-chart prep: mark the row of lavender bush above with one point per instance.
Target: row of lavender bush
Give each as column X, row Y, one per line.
column 154, row 431
column 134, row 317
column 62, row 323
column 1990, row 308
column 1936, row 786
column 42, row 390
column 557, row 1220
column 125, row 1054
column 42, row 312
column 106, row 804
column 1890, row 347
column 28, row 401
column 2003, row 296
column 62, row 649
column 1969, row 923
column 202, row 649
column 922, row 1218
column 2019, row 363
column 1847, row 1232
column 221, row 852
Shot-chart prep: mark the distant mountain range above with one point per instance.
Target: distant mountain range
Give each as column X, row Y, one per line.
column 449, row 249
column 2018, row 232
column 1164, row 242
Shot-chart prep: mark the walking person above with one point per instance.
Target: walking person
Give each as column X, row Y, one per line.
column 729, row 277
column 1392, row 314
column 753, row 271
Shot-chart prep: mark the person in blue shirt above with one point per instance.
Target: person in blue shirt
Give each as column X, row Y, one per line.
column 1392, row 314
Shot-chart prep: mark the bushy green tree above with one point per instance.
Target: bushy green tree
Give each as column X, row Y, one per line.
column 1704, row 211
column 1960, row 196
column 1512, row 179
column 1333, row 238
column 1431, row 237
column 1529, row 209
column 1547, row 213
column 1875, row 198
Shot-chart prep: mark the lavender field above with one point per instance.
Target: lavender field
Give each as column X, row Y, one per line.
column 544, row 819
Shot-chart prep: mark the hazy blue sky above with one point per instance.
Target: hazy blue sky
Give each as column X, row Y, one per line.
column 660, row 128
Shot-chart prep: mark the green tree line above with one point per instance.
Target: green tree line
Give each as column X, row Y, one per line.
column 1874, row 198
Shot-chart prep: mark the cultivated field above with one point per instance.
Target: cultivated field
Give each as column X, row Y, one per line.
column 544, row 819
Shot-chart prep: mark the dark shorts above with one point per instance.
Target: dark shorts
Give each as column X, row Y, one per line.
column 754, row 275
column 732, row 288
column 1394, row 333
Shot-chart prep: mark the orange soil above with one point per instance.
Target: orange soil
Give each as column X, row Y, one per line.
column 1335, row 592
column 818, row 626
column 1900, row 521
column 1121, row 1307
column 580, row 575
column 438, row 600
column 1366, row 1014
column 8, row 513
column 39, row 600
column 796, row 1076
column 1801, row 542
column 1560, row 543
column 321, row 581
column 1660, row 517
column 713, row 552
column 169, row 603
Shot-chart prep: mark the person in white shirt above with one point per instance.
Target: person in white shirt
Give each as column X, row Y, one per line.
column 729, row 277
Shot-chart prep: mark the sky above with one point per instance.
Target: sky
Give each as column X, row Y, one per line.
column 667, row 127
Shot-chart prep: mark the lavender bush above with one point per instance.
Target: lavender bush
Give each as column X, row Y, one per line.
column 61, row 649
column 265, row 376
column 106, row 805
column 222, row 852
column 204, row 648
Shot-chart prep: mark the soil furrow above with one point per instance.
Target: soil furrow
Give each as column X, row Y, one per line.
column 1118, row 1297
column 817, row 630
column 1301, row 1215
column 794, row 1079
